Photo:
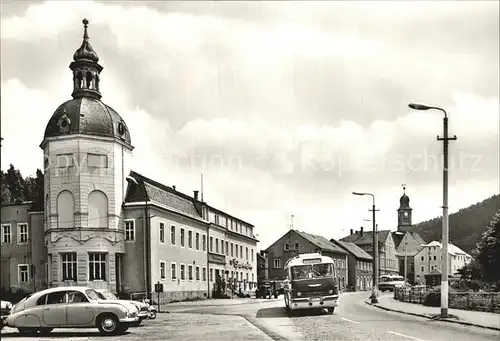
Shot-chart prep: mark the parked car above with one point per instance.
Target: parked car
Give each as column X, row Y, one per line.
column 151, row 309
column 5, row 308
column 142, row 308
column 70, row 307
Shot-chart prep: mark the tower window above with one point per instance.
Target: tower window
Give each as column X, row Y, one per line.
column 89, row 80
column 79, row 78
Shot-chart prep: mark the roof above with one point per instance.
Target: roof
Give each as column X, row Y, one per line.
column 298, row 260
column 413, row 246
column 352, row 248
column 321, row 242
column 161, row 194
column 367, row 237
column 87, row 116
column 452, row 249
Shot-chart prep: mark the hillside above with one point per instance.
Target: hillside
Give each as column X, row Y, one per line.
column 466, row 225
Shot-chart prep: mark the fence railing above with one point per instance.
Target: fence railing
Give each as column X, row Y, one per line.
column 469, row 300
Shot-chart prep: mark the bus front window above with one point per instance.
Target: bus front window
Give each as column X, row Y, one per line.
column 323, row 270
column 301, row 271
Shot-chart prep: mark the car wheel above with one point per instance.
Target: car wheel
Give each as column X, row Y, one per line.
column 27, row 331
column 122, row 328
column 330, row 310
column 108, row 324
column 152, row 315
column 45, row 331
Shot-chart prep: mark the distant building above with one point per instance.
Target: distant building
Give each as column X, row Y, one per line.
column 296, row 242
column 360, row 266
column 262, row 266
column 428, row 261
column 388, row 261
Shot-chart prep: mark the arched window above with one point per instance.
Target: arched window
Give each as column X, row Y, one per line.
column 65, row 210
column 79, row 78
column 47, row 214
column 98, row 210
column 89, row 80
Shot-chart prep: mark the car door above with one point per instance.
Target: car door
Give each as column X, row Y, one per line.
column 54, row 310
column 79, row 311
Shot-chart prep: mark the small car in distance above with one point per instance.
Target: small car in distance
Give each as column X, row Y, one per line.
column 142, row 308
column 70, row 307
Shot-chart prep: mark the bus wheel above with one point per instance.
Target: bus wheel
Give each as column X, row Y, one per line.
column 330, row 310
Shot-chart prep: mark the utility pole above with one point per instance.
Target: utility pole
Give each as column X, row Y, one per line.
column 445, row 227
column 406, row 262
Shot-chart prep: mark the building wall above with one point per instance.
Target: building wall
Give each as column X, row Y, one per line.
column 241, row 267
column 262, row 270
column 134, row 273
column 363, row 274
column 388, row 260
column 187, row 256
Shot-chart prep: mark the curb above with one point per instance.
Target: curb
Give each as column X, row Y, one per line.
column 433, row 318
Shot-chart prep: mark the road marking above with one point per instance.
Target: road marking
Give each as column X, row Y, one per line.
column 343, row 318
column 407, row 336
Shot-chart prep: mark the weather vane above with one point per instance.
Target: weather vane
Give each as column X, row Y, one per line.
column 404, row 188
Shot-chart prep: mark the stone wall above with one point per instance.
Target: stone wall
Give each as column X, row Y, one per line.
column 177, row 296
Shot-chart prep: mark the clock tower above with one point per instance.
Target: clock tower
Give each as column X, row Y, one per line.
column 404, row 212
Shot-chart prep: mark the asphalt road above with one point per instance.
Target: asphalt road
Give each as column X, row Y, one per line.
column 266, row 320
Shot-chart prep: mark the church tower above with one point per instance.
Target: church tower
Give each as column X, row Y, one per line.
column 404, row 212
column 87, row 151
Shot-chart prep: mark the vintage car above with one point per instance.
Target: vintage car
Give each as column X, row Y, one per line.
column 70, row 307
column 142, row 307
column 6, row 306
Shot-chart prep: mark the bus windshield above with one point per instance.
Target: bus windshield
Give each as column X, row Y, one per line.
column 312, row 271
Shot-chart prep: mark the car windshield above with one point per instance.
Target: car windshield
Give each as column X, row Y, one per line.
column 312, row 271
column 92, row 294
column 107, row 295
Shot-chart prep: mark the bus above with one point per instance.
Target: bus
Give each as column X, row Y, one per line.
column 311, row 283
column 389, row 282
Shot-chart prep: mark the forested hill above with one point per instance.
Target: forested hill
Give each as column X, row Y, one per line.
column 466, row 226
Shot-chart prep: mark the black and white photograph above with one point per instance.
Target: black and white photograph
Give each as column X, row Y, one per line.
column 250, row 170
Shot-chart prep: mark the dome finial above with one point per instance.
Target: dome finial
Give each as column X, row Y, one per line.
column 85, row 25
column 404, row 188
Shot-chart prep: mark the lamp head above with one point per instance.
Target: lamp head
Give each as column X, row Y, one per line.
column 417, row 106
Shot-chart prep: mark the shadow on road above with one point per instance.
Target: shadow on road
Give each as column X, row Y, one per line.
column 61, row 335
column 278, row 312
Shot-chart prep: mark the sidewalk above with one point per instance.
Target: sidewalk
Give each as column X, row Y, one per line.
column 466, row 317
column 220, row 302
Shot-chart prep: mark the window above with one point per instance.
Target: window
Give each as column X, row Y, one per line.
column 76, row 297
column 163, row 270
column 52, row 298
column 246, row 230
column 174, row 271
column 222, row 246
column 236, row 247
column 97, row 160
column 204, row 242
column 277, row 263
column 190, row 272
column 434, row 257
column 129, row 230
column 204, row 274
column 197, row 241
column 6, row 234
column 227, row 248
column 232, row 253
column 23, row 233
column 98, row 210
column 182, row 237
column 211, row 244
column 246, row 253
column 183, row 272
column 68, row 262
column 190, row 239
column 23, row 273
column 296, row 246
column 197, row 273
column 211, row 275
column 241, row 251
column 422, row 258
column 162, row 233
column 253, row 279
column 217, row 219
column 97, row 266
column 172, row 234
column 217, row 245
column 422, row 269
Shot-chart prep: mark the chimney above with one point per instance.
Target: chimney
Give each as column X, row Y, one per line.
column 352, row 231
column 173, row 187
column 195, row 195
column 361, row 231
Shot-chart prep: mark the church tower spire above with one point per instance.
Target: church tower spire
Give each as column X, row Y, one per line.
column 86, row 69
column 404, row 212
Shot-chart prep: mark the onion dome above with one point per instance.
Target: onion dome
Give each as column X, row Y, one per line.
column 85, row 52
column 404, row 201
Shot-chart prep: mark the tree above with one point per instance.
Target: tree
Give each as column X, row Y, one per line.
column 488, row 250
column 33, row 188
column 15, row 184
column 4, row 191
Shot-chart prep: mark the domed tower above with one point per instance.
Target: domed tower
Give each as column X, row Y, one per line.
column 87, row 152
column 404, row 212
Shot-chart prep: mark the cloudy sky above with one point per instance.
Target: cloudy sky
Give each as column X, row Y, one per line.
column 285, row 107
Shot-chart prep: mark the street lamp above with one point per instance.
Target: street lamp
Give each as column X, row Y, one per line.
column 374, row 297
column 445, row 139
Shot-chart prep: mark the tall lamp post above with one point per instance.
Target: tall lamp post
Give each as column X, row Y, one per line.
column 406, row 262
column 445, row 237
column 374, row 297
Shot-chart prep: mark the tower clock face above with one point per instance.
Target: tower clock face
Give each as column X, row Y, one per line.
column 405, row 214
